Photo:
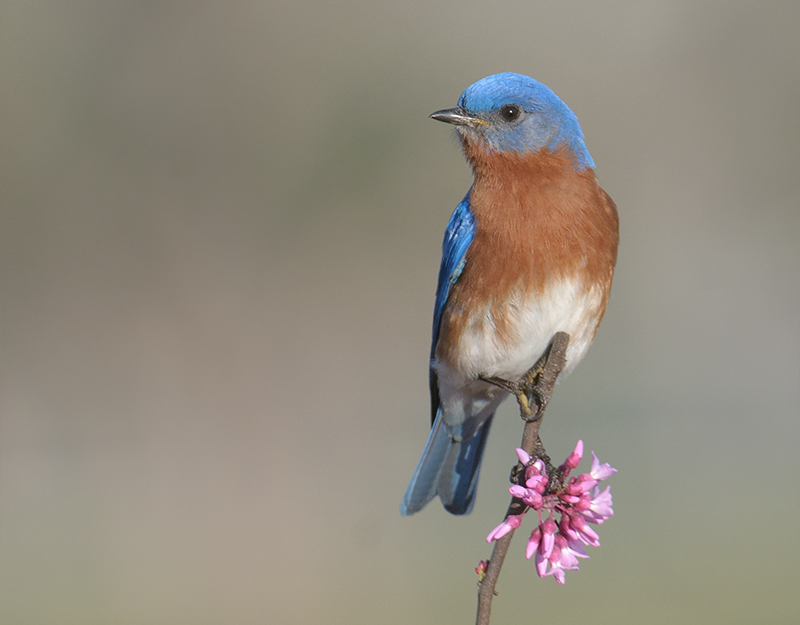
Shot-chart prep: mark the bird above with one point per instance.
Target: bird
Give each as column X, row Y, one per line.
column 530, row 251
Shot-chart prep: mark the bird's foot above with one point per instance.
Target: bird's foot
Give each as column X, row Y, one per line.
column 537, row 384
column 526, row 390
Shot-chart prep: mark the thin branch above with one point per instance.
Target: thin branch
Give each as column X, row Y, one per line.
column 536, row 385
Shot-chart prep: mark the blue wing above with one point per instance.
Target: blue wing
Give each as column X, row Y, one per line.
column 457, row 238
column 451, row 461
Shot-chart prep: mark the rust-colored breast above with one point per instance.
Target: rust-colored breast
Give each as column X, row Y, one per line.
column 538, row 221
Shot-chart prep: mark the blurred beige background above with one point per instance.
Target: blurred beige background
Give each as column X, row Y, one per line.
column 221, row 226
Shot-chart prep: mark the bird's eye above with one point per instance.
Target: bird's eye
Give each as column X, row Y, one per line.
column 509, row 112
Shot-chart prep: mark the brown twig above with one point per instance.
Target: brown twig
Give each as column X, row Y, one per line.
column 538, row 385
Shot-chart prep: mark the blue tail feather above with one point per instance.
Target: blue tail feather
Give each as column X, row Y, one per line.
column 449, row 467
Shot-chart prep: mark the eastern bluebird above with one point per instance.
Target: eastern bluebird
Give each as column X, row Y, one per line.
column 529, row 252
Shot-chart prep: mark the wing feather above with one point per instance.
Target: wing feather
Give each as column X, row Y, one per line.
column 457, row 239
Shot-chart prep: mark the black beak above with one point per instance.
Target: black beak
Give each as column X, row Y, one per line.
column 456, row 116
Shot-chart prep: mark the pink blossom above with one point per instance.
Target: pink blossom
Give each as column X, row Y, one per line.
column 512, row 522
column 599, row 506
column 585, row 533
column 570, row 505
column 541, row 563
column 561, row 559
column 575, row 457
column 581, row 484
column 558, row 574
column 524, row 456
column 483, row 565
column 536, row 469
column 549, row 528
column 571, row 550
column 533, row 542
column 531, row 497
column 537, row 483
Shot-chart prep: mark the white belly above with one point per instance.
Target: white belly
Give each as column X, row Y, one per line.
column 531, row 322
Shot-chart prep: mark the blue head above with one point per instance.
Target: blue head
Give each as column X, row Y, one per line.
column 514, row 113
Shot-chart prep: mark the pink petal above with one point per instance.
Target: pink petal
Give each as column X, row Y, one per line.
column 601, row 471
column 575, row 457
column 568, row 559
column 541, row 564
column 533, row 499
column 581, row 484
column 511, row 523
column 537, row 482
column 576, row 548
column 585, row 533
column 598, row 509
column 548, row 528
column 517, row 491
column 537, row 468
column 533, row 543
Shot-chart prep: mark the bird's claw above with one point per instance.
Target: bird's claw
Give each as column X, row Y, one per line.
column 525, row 390
column 534, row 394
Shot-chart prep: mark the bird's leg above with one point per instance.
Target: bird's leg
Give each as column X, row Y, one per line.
column 529, row 387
